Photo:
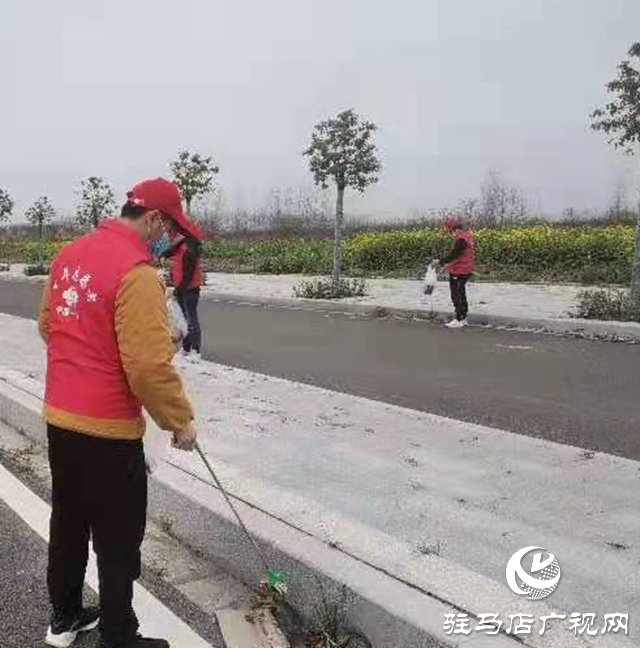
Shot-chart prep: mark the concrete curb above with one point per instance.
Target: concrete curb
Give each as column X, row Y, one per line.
column 597, row 329
column 386, row 611
column 238, row 632
column 41, row 279
column 389, row 612
column 567, row 325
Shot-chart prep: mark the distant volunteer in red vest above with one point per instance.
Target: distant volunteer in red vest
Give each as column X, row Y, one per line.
column 460, row 264
column 109, row 354
column 186, row 276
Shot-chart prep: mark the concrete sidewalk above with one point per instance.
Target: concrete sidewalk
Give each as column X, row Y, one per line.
column 535, row 301
column 438, row 504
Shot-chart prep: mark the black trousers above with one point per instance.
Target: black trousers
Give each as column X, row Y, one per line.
column 458, row 286
column 188, row 300
column 99, row 490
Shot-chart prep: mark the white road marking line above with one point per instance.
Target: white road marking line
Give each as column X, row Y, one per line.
column 514, row 347
column 155, row 618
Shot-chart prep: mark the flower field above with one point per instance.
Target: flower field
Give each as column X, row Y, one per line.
column 543, row 253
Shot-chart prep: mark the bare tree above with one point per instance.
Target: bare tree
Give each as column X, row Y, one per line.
column 500, row 204
column 211, row 214
column 618, row 208
column 469, row 210
column 298, row 210
column 569, row 215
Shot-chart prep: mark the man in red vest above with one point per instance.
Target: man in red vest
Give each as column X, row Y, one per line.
column 460, row 264
column 186, row 276
column 109, row 354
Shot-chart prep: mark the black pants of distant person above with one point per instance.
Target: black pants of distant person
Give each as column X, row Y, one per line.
column 188, row 300
column 99, row 490
column 458, row 286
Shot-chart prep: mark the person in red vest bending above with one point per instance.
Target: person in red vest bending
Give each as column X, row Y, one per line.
column 109, row 354
column 186, row 276
column 460, row 264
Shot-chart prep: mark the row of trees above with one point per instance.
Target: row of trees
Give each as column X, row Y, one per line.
column 343, row 153
column 192, row 172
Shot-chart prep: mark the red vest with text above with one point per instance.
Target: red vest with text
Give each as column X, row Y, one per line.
column 177, row 268
column 466, row 262
column 84, row 371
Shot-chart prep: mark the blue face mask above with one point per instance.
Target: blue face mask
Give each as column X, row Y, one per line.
column 160, row 247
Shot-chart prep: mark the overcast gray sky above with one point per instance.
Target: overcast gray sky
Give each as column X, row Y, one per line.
column 116, row 87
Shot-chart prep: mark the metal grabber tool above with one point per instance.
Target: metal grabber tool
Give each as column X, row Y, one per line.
column 274, row 581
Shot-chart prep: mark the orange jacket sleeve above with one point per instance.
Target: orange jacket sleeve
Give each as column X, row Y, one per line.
column 146, row 351
column 43, row 317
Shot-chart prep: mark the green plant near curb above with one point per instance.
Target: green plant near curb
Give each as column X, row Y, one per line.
column 330, row 622
column 327, row 288
column 36, row 270
column 611, row 305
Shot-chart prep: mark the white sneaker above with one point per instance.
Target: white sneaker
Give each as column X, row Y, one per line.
column 457, row 324
column 62, row 635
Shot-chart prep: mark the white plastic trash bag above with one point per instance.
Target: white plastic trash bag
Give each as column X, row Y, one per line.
column 177, row 321
column 430, row 281
column 156, row 447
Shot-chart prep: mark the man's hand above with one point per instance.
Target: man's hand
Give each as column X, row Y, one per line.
column 185, row 440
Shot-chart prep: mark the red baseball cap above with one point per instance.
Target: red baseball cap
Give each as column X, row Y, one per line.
column 163, row 195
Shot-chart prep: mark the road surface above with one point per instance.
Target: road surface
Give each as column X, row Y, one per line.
column 24, row 606
column 24, row 613
column 572, row 391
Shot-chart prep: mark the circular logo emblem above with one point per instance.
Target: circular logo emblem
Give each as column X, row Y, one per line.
column 539, row 579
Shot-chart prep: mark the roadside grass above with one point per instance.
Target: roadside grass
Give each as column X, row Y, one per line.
column 585, row 254
column 324, row 288
column 609, row 304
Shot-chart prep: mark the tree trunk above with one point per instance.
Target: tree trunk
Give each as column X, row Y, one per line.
column 188, row 201
column 95, row 217
column 337, row 239
column 635, row 273
column 40, row 255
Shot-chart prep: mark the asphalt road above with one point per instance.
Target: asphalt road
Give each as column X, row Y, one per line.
column 572, row 391
column 24, row 607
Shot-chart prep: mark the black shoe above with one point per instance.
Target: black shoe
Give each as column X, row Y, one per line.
column 141, row 642
column 61, row 634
